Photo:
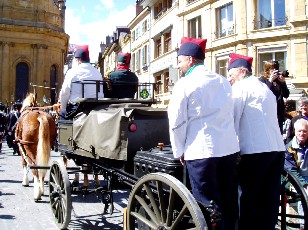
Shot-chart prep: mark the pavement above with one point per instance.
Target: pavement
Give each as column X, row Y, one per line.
column 18, row 210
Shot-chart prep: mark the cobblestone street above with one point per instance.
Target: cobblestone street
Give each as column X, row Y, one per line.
column 19, row 211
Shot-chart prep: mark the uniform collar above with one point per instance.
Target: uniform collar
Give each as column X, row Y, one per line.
column 192, row 68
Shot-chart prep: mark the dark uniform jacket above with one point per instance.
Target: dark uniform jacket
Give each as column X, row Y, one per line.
column 124, row 84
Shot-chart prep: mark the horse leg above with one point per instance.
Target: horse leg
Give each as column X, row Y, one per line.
column 42, row 178
column 85, row 180
column 96, row 180
column 37, row 191
column 25, row 179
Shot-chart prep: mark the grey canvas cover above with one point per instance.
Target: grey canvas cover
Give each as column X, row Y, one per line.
column 105, row 130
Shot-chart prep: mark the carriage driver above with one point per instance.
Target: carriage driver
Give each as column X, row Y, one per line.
column 71, row 91
column 127, row 80
column 200, row 116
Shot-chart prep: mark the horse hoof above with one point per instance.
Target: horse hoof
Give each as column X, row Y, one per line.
column 37, row 199
column 25, row 185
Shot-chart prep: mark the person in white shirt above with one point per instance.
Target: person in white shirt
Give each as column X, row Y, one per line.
column 261, row 146
column 202, row 131
column 70, row 91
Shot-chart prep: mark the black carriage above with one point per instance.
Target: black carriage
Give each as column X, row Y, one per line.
column 127, row 141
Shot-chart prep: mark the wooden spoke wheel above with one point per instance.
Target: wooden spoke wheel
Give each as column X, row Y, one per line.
column 160, row 201
column 293, row 212
column 60, row 194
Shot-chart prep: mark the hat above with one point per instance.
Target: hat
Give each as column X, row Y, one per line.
column 82, row 54
column 2, row 106
column 124, row 58
column 193, row 47
column 17, row 104
column 237, row 60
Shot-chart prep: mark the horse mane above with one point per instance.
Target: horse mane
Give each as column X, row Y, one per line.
column 29, row 101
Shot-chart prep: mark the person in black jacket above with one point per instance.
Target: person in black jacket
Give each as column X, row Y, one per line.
column 2, row 123
column 275, row 80
column 124, row 83
column 12, row 123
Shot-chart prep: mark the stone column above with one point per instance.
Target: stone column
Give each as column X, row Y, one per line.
column 34, row 77
column 6, row 83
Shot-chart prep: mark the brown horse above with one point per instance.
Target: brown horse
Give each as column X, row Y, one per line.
column 35, row 134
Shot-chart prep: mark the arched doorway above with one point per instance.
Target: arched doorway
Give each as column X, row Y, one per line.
column 22, row 81
column 53, row 83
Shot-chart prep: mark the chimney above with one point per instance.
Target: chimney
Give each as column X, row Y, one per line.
column 139, row 8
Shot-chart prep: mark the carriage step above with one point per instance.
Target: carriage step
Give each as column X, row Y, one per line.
column 48, row 167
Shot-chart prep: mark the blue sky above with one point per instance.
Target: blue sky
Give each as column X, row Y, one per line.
column 88, row 22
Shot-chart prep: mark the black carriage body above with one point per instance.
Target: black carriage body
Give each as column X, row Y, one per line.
column 115, row 144
column 157, row 160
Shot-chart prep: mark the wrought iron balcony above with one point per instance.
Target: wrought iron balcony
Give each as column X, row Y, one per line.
column 269, row 23
column 190, row 1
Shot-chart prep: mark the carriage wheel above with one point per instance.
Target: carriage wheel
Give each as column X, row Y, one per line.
column 292, row 196
column 160, row 201
column 60, row 194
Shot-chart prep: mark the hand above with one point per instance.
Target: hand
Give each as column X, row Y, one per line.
column 274, row 75
column 281, row 78
column 182, row 159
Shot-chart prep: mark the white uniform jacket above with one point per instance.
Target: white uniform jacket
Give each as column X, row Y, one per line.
column 72, row 91
column 201, row 116
column 255, row 114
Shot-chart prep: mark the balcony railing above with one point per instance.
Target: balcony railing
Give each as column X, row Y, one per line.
column 160, row 13
column 269, row 23
column 225, row 32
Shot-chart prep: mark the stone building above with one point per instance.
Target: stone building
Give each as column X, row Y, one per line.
column 33, row 48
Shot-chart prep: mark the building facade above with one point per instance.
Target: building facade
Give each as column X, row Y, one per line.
column 262, row 29
column 33, row 48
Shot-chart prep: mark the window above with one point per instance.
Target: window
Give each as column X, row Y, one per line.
column 194, row 27
column 137, row 61
column 222, row 65
column 271, row 13
column 266, row 56
column 53, row 83
column 158, row 48
column 167, row 38
column 144, row 56
column 225, row 21
column 133, row 35
column 22, row 80
column 145, row 25
column 138, row 34
column 160, row 7
column 132, row 63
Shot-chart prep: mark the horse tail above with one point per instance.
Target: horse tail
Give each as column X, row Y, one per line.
column 43, row 146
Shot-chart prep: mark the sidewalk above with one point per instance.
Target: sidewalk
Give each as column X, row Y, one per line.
column 19, row 211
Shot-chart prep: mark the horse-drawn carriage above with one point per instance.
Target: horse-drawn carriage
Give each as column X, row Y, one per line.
column 127, row 142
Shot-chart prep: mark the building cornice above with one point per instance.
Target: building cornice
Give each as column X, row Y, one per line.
column 194, row 6
column 146, row 11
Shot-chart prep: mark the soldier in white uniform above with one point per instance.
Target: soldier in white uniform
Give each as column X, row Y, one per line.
column 71, row 91
column 261, row 144
column 202, row 130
